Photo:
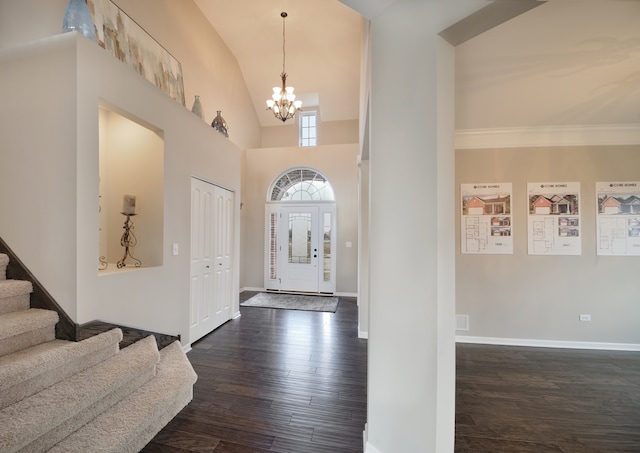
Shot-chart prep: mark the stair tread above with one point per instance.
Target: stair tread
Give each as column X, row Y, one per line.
column 11, row 288
column 137, row 414
column 18, row 322
column 39, row 415
column 50, row 362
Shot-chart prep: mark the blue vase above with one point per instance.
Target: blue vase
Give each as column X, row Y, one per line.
column 78, row 18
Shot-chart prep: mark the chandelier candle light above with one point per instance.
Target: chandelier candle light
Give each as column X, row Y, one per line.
column 283, row 102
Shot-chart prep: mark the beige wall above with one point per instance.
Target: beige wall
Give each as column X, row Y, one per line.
column 339, row 164
column 520, row 296
column 49, row 181
column 329, row 133
column 209, row 69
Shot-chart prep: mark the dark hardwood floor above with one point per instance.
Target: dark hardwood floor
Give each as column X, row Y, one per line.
column 275, row 381
column 542, row 400
column 295, row 381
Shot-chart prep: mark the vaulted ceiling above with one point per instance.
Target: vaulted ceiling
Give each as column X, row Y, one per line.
column 518, row 62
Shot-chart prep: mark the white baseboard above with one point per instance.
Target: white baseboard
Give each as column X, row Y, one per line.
column 236, row 315
column 548, row 343
column 363, row 335
column 338, row 294
column 251, row 288
column 368, row 448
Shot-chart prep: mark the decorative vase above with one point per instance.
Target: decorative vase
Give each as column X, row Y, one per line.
column 78, row 18
column 197, row 107
column 220, row 124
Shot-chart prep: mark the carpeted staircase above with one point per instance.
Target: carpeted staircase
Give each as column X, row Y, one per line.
column 87, row 396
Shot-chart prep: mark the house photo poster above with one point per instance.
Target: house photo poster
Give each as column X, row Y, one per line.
column 553, row 221
column 486, row 226
column 618, row 218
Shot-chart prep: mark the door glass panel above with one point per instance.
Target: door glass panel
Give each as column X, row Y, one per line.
column 326, row 246
column 273, row 246
column 300, row 237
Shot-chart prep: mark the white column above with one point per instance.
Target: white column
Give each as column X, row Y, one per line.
column 411, row 402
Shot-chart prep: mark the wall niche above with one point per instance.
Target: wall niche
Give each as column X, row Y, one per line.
column 131, row 163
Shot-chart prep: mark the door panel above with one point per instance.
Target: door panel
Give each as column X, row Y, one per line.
column 298, row 240
column 211, row 257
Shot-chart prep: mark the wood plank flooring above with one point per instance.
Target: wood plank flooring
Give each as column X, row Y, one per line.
column 542, row 400
column 275, row 381
column 295, row 381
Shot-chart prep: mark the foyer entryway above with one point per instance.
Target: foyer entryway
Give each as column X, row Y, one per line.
column 300, row 233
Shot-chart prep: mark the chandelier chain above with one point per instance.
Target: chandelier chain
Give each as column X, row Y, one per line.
column 284, row 16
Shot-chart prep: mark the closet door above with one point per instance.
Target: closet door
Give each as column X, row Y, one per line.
column 211, row 257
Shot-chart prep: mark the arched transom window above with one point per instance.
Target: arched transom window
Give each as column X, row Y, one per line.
column 301, row 184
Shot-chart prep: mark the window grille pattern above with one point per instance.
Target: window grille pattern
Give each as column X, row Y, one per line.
column 273, row 246
column 301, row 184
column 308, row 129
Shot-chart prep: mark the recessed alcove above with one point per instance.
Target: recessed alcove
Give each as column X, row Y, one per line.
column 131, row 162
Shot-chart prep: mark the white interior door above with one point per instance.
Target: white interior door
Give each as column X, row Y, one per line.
column 299, row 252
column 211, row 256
column 300, row 248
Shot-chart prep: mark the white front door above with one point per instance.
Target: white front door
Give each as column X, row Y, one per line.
column 211, row 251
column 299, row 249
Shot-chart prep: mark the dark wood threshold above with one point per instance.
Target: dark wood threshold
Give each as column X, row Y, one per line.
column 66, row 328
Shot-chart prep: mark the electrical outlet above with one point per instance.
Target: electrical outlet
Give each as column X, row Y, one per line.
column 585, row 317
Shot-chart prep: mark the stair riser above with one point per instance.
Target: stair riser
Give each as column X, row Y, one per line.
column 139, row 417
column 49, row 439
column 27, row 340
column 184, row 397
column 51, row 376
column 66, row 406
column 14, row 303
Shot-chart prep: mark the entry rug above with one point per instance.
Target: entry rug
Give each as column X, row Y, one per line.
column 292, row 302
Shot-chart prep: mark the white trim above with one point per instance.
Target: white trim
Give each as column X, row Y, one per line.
column 264, row 290
column 524, row 137
column 368, row 448
column 251, row 288
column 548, row 343
column 236, row 315
column 362, row 334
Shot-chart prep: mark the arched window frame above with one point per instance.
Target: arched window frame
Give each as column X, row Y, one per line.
column 300, row 184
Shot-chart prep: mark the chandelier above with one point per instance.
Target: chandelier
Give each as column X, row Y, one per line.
column 283, row 102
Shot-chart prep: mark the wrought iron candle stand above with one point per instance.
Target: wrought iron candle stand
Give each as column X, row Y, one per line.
column 128, row 240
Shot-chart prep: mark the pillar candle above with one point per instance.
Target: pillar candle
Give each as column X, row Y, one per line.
column 129, row 204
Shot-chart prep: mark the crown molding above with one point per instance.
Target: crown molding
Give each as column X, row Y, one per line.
column 543, row 136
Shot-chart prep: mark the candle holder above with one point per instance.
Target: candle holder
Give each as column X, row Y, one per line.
column 128, row 240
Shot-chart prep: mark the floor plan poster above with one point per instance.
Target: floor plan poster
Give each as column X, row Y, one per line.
column 554, row 218
column 618, row 218
column 486, row 219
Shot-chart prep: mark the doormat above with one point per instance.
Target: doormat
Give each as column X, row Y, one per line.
column 292, row 302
